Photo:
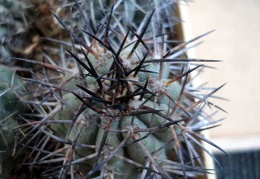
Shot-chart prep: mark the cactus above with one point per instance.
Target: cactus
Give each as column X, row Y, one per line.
column 113, row 97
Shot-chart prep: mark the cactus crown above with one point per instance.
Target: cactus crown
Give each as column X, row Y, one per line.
column 119, row 101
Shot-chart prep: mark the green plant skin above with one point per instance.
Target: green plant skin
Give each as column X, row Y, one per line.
column 135, row 151
column 173, row 90
column 87, row 129
column 119, row 168
column 88, row 133
column 155, row 69
column 66, row 113
column 10, row 87
column 153, row 120
column 9, row 81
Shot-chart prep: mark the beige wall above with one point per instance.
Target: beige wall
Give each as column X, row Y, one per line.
column 236, row 41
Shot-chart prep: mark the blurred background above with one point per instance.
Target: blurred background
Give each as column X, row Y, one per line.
column 236, row 41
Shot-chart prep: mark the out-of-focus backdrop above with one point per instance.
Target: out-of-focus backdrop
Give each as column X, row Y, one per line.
column 236, row 41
